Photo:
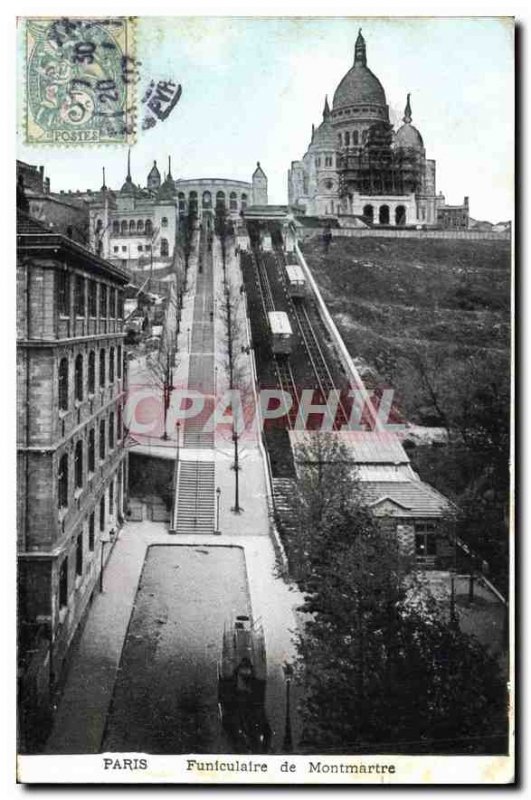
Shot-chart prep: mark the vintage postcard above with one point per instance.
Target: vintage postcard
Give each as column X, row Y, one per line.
column 264, row 356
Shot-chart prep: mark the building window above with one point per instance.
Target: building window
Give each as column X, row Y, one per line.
column 63, row 384
column 383, row 215
column 119, row 361
column 91, row 451
column 62, row 482
column 149, row 228
column 132, row 226
column 112, row 302
column 355, row 137
column 91, row 376
column 78, row 465
column 244, row 201
column 140, row 248
column 111, row 430
column 63, row 583
column 233, row 201
column 78, row 377
column 116, row 249
column 111, row 365
column 148, row 247
column 79, row 296
column 119, row 423
column 220, row 200
column 123, row 228
column 347, row 139
column 340, row 139
column 120, row 305
column 63, row 293
column 103, row 301
column 140, row 226
column 164, row 248
column 124, row 249
column 79, row 554
column 368, row 213
column 102, row 514
column 207, row 200
column 116, row 227
column 102, row 367
column 318, row 162
column 425, row 540
column 400, row 215
column 102, row 440
column 328, row 161
column 93, row 299
column 111, row 498
column 164, row 222
column 91, row 529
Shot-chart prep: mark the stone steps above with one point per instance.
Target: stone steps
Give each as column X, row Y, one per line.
column 195, row 497
column 283, row 490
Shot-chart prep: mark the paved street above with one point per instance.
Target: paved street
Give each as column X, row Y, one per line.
column 81, row 716
column 165, row 697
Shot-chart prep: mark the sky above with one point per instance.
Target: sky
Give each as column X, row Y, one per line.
column 252, row 87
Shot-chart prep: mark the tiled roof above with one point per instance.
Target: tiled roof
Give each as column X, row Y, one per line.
column 28, row 224
column 365, row 447
column 417, row 499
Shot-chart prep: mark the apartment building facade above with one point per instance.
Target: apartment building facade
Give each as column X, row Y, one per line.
column 71, row 456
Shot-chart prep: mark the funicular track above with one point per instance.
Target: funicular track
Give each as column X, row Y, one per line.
column 283, row 369
column 310, row 338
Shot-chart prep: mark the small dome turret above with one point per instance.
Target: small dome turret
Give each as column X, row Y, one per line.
column 407, row 136
column 153, row 180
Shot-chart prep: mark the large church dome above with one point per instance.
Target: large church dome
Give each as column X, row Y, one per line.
column 359, row 86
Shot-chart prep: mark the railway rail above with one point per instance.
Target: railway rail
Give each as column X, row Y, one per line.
column 318, row 359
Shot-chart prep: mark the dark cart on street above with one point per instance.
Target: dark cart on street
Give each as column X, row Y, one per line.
column 242, row 674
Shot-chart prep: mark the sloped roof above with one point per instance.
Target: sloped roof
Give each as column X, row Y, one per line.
column 416, row 498
column 365, row 447
column 28, row 224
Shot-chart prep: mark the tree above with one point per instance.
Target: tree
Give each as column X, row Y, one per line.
column 160, row 367
column 221, row 229
column 234, row 346
column 381, row 671
column 471, row 398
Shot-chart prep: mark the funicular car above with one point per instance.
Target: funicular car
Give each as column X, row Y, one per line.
column 281, row 332
column 296, row 280
column 242, row 674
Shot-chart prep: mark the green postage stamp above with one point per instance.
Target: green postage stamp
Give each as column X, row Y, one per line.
column 80, row 81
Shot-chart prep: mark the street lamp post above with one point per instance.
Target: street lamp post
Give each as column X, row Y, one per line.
column 167, row 389
column 237, row 509
column 287, row 744
column 218, row 499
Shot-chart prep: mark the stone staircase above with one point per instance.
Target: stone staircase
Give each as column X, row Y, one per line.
column 283, row 490
column 195, row 498
column 194, row 436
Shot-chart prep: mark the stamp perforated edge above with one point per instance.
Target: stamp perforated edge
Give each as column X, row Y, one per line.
column 23, row 111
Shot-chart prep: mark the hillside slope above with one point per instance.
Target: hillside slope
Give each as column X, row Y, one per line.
column 432, row 319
